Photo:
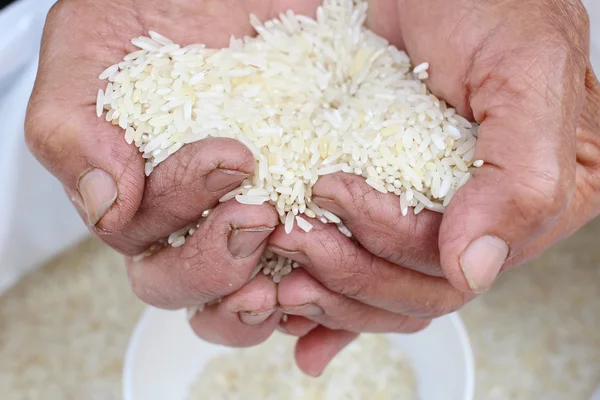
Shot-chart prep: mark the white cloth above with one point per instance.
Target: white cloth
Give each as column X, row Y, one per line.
column 37, row 221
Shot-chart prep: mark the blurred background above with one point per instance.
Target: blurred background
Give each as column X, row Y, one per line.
column 66, row 311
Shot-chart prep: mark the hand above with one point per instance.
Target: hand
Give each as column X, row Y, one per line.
column 105, row 176
column 521, row 70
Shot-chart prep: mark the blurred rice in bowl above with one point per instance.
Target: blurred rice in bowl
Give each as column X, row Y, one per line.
column 166, row 360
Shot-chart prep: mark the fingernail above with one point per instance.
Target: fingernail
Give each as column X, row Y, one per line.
column 293, row 255
column 331, row 206
column 98, row 191
column 255, row 318
column 482, row 260
column 221, row 179
column 305, row 310
column 244, row 242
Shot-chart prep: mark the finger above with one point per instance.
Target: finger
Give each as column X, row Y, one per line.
column 376, row 221
column 300, row 294
column 316, row 350
column 180, row 189
column 245, row 318
column 217, row 260
column 101, row 173
column 583, row 208
column 105, row 176
column 346, row 268
column 585, row 204
column 528, row 112
column 296, row 326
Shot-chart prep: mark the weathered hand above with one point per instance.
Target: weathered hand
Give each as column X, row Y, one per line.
column 521, row 70
column 519, row 67
column 105, row 176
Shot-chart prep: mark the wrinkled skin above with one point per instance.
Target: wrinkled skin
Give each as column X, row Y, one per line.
column 518, row 67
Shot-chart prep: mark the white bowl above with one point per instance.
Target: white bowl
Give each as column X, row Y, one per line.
column 165, row 358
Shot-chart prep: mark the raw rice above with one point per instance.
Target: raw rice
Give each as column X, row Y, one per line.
column 421, row 68
column 369, row 368
column 308, row 98
column 303, row 224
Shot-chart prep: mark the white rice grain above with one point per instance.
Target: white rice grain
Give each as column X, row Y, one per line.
column 308, row 98
column 377, row 186
column 251, row 200
column 99, row 103
column 366, row 366
column 421, row 68
column 289, row 222
column 331, row 217
column 304, row 224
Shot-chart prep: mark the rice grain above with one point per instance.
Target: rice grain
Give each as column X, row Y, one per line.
column 369, row 368
column 308, row 98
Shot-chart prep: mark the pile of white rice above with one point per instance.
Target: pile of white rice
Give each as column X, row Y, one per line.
column 308, row 98
column 369, row 368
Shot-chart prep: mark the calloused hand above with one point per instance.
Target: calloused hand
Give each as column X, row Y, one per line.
column 521, row 69
column 105, row 176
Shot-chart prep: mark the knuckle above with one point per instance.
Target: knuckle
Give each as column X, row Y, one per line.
column 357, row 194
column 206, row 281
column 355, row 282
column 344, row 273
column 36, row 136
column 189, row 168
column 543, row 196
column 208, row 273
column 47, row 137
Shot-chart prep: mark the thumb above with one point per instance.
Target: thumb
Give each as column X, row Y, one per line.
column 527, row 140
column 101, row 173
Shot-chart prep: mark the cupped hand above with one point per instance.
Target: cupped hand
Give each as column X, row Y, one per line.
column 104, row 176
column 521, row 70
